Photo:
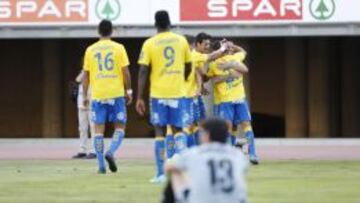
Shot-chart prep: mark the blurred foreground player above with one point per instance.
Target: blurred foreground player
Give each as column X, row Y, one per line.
column 211, row 173
column 106, row 66
column 85, row 123
column 166, row 57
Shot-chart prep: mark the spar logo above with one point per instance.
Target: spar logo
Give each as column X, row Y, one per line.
column 35, row 11
column 241, row 10
column 322, row 9
column 108, row 9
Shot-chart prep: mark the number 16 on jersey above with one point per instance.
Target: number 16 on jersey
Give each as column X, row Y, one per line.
column 107, row 61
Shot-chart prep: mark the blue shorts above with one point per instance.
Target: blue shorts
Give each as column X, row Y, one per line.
column 109, row 110
column 199, row 109
column 196, row 109
column 235, row 112
column 169, row 112
column 189, row 109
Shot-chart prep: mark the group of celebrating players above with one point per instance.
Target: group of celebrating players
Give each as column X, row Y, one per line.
column 178, row 70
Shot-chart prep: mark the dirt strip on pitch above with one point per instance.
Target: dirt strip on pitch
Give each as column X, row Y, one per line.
column 142, row 149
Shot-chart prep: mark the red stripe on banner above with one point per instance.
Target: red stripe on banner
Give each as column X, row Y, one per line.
column 240, row 10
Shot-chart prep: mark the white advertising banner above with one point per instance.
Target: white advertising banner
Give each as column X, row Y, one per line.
column 182, row 12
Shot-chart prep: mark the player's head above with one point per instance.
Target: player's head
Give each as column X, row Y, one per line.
column 215, row 45
column 162, row 20
column 105, row 28
column 213, row 130
column 202, row 42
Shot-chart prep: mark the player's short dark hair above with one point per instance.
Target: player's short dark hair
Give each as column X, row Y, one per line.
column 105, row 28
column 217, row 129
column 201, row 37
column 215, row 45
column 162, row 19
column 190, row 39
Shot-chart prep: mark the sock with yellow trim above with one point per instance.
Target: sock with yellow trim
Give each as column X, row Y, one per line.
column 159, row 156
column 99, row 149
column 196, row 135
column 180, row 142
column 190, row 137
column 249, row 134
column 233, row 138
column 170, row 145
column 116, row 141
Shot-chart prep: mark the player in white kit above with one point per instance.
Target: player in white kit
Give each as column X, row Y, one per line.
column 85, row 124
column 214, row 172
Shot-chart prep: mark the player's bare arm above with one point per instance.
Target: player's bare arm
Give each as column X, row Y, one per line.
column 204, row 71
column 223, row 78
column 199, row 81
column 79, row 77
column 142, row 78
column 188, row 67
column 85, row 83
column 234, row 65
column 170, row 167
column 127, row 81
column 218, row 53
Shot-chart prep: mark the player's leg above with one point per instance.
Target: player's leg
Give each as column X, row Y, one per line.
column 199, row 115
column 178, row 117
column 230, row 127
column 118, row 116
column 83, row 133
column 158, row 118
column 244, row 118
column 190, row 132
column 159, row 151
column 91, row 151
column 99, row 113
column 201, row 109
column 180, row 139
column 169, row 142
column 234, row 134
column 226, row 112
column 189, row 103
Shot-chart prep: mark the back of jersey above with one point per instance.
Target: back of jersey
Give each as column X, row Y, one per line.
column 166, row 53
column 217, row 174
column 105, row 61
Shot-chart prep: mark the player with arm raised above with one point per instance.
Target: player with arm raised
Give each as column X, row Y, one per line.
column 229, row 94
column 194, row 84
column 106, row 68
column 211, row 173
column 166, row 58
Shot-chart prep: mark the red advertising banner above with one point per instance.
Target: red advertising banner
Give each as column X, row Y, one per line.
column 240, row 10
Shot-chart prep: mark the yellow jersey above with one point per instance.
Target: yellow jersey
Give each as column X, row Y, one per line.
column 166, row 54
column 198, row 61
column 105, row 60
column 230, row 90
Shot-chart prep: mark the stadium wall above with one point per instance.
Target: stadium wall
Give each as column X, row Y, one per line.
column 298, row 87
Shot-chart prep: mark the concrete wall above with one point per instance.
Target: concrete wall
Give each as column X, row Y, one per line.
column 298, row 87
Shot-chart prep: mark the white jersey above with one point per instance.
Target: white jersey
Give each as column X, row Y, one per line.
column 216, row 173
column 80, row 97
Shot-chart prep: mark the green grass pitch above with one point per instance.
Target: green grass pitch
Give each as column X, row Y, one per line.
column 76, row 181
